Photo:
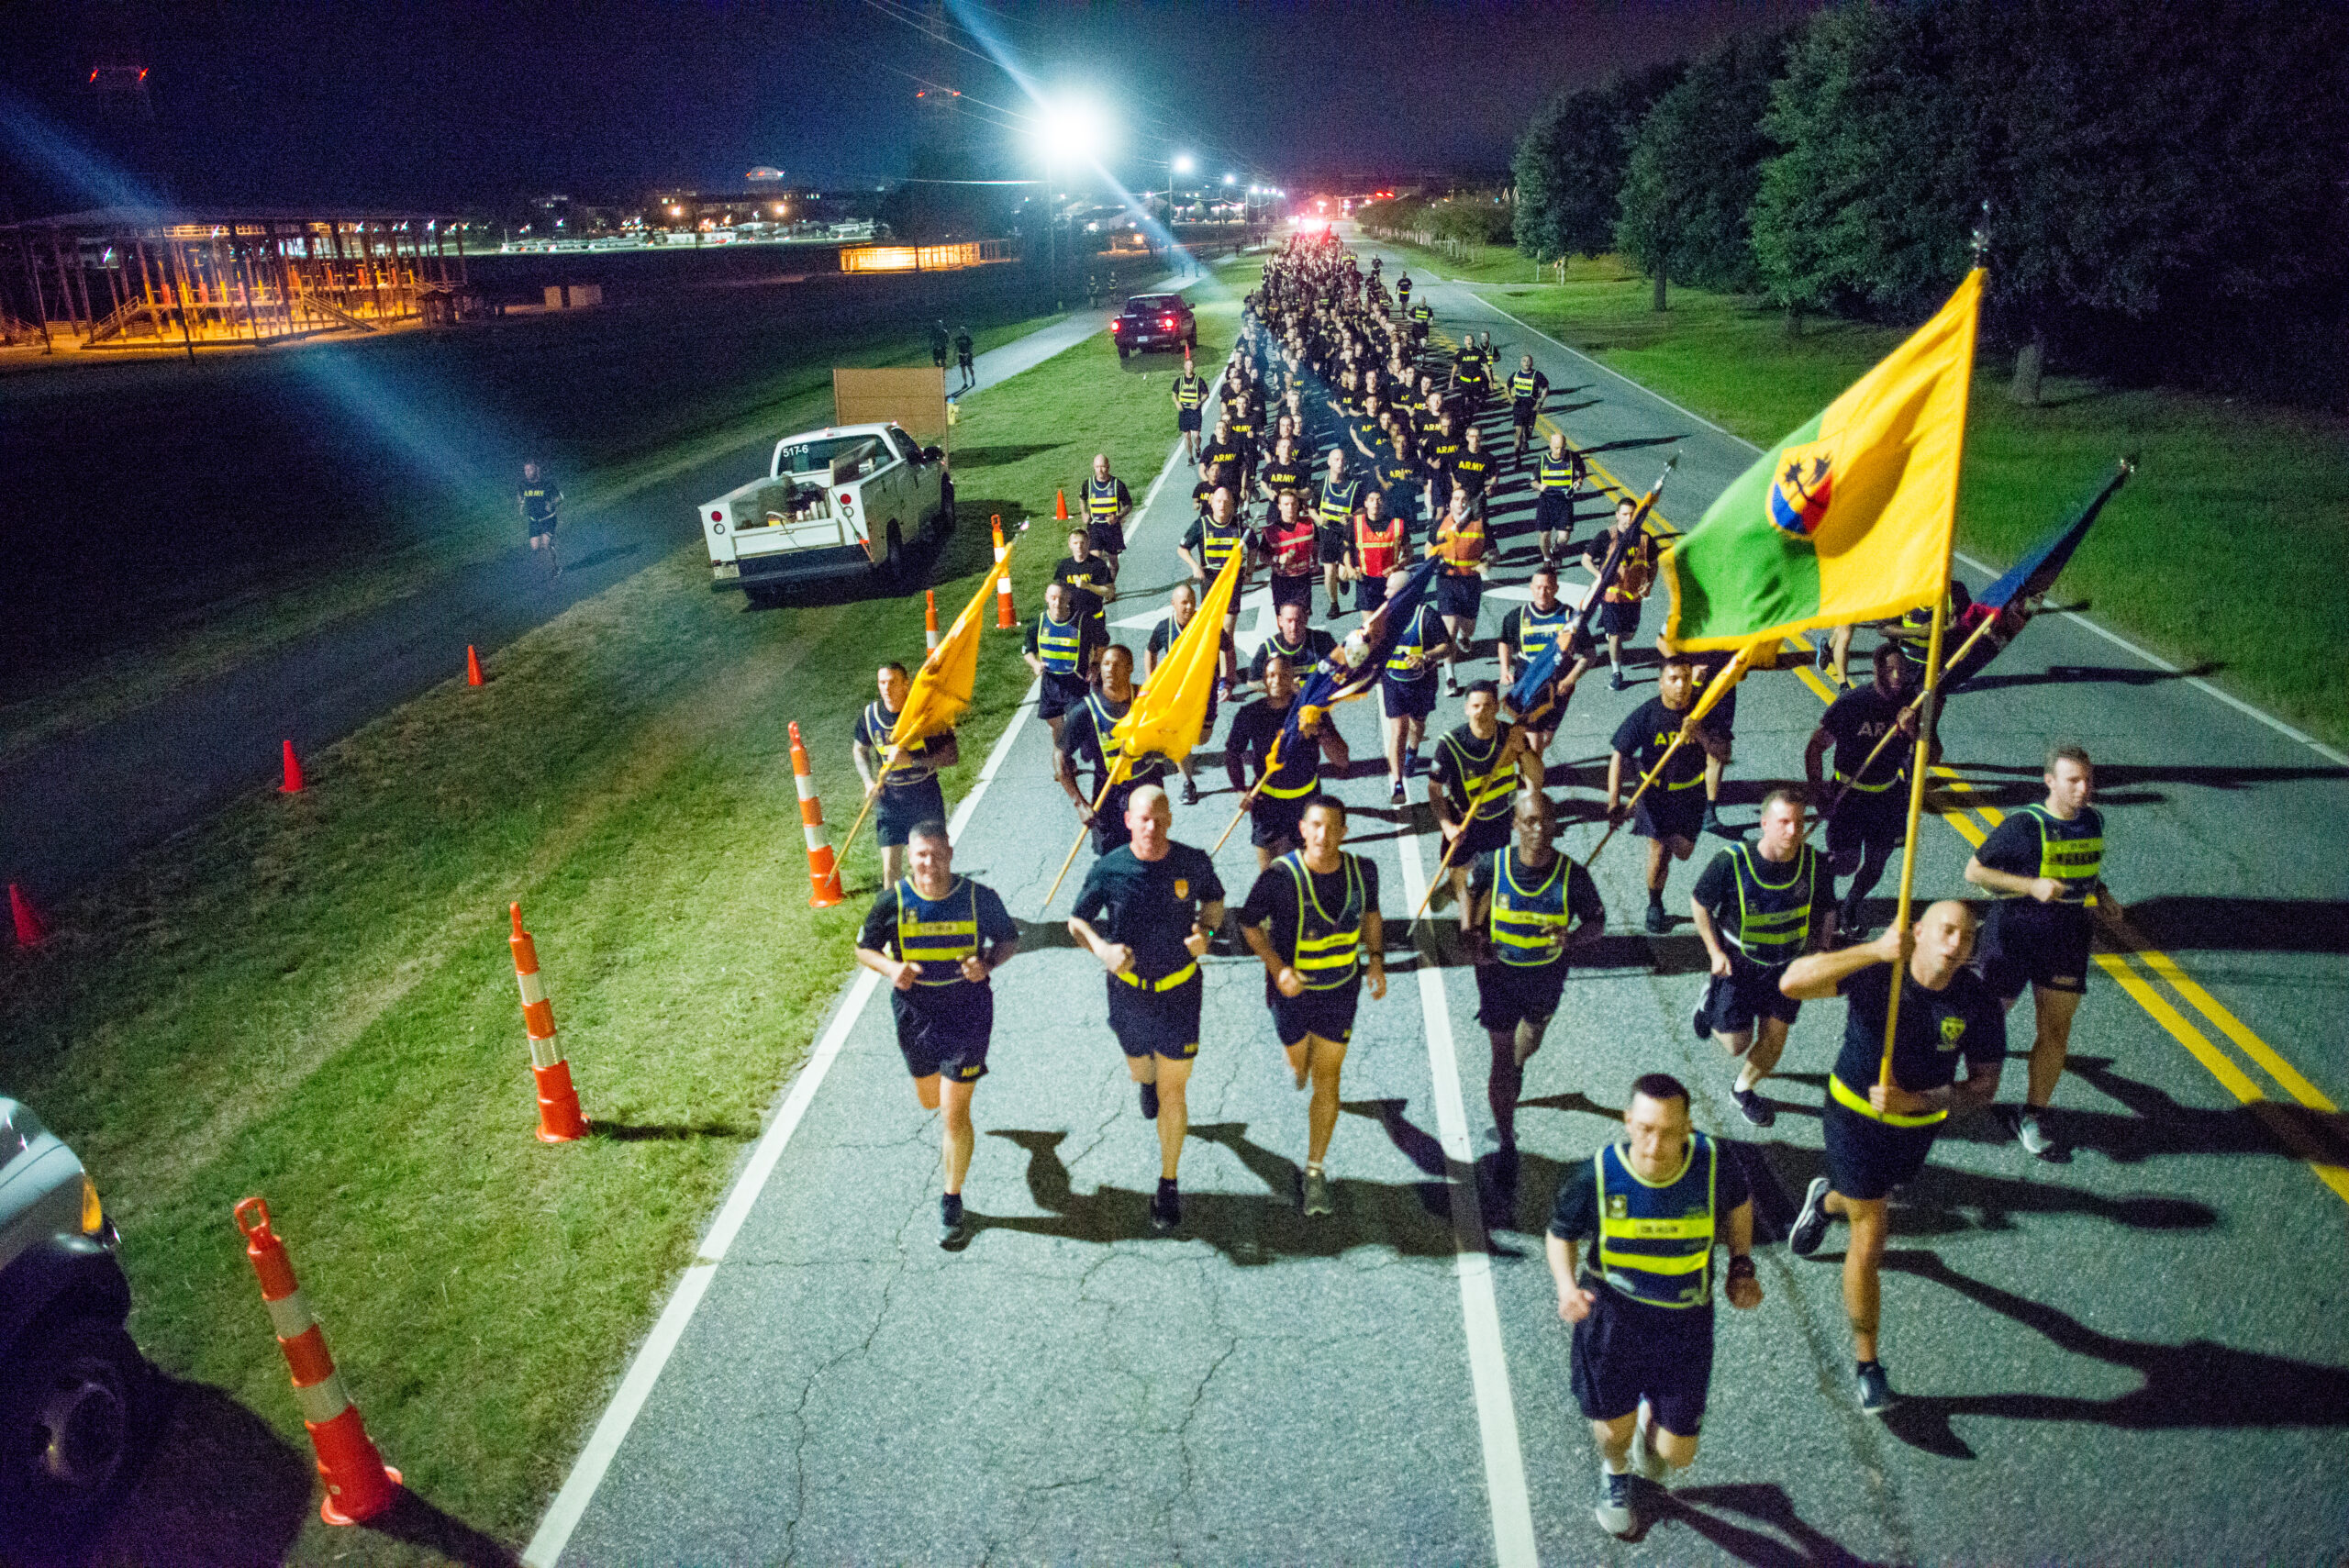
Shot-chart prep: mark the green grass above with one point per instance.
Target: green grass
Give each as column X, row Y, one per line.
column 337, row 495
column 312, row 997
column 2228, row 553
column 1476, row 264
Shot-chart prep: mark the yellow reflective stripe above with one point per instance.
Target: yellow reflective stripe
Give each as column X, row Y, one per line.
column 1615, row 1257
column 1856, row 1102
column 1844, row 778
column 1165, row 982
column 1308, row 787
column 1687, row 1228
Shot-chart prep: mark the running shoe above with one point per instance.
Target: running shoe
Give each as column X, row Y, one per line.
column 953, row 1222
column 1150, row 1102
column 1810, row 1222
column 1317, row 1194
column 1615, row 683
column 1718, row 828
column 1875, row 1389
column 2031, row 1132
column 1753, row 1108
column 1190, row 793
column 1697, row 1023
column 1166, row 1209
column 1614, row 1510
column 1657, row 922
column 1396, row 795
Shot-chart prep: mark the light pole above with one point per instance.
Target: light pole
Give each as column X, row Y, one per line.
column 1065, row 133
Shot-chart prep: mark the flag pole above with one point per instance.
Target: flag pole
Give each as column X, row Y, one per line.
column 1108, row 782
column 872, row 794
column 1931, row 699
column 1914, row 705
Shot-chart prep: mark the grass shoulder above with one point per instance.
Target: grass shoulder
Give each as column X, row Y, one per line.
column 311, row 996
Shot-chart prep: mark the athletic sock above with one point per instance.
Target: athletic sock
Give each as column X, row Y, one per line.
column 1861, row 1369
column 1615, row 1466
column 1167, row 1186
column 950, row 1206
column 1655, row 898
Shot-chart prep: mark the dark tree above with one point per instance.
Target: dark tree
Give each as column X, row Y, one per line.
column 1569, row 165
column 1869, row 203
column 1695, row 167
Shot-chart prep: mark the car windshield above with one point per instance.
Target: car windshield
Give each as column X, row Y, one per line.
column 815, row 455
column 1154, row 304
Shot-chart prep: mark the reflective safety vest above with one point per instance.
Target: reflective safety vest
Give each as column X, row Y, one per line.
column 1655, row 1239
column 1059, row 644
column 1462, row 545
column 1559, row 473
column 1411, row 644
column 1521, row 384
column 1217, row 544
column 1339, row 498
column 1488, row 782
column 1327, row 953
column 1637, row 573
column 937, row 935
column 2071, row 852
column 1423, row 313
column 1537, row 629
column 1526, row 921
column 1101, row 498
column 1190, row 390
column 1773, row 917
column 1380, row 551
column 1294, row 555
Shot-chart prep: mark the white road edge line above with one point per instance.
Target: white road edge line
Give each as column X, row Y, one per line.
column 2328, row 753
column 1505, row 1488
column 587, row 1471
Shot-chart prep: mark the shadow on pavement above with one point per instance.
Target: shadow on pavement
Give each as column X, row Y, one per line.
column 1413, row 1220
column 1701, row 1509
column 2174, row 922
column 2199, row 1383
column 2102, row 674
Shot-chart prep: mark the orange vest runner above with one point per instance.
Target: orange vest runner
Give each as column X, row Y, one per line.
column 1293, row 552
column 1380, row 552
column 1462, row 545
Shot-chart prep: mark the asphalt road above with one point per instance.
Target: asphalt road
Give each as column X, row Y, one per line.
column 2135, row 1356
column 81, row 804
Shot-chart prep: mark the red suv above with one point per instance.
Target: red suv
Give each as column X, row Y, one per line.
column 1154, row 321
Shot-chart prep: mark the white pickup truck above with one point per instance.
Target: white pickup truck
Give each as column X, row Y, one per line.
column 842, row 501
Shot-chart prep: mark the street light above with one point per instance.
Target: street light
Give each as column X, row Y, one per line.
column 1068, row 132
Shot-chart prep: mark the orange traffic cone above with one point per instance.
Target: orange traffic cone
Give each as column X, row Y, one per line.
column 473, row 666
column 292, row 785
column 559, row 1117
column 1059, row 505
column 30, row 932
column 929, row 619
column 823, row 871
column 1005, row 617
column 359, row 1483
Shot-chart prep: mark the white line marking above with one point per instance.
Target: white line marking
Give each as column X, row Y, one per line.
column 587, row 1471
column 2248, row 709
column 1513, row 1542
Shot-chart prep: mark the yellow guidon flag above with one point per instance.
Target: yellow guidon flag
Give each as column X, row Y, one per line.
column 941, row 689
column 1847, row 520
column 1169, row 713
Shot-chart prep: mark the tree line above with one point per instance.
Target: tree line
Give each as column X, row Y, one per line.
column 2164, row 188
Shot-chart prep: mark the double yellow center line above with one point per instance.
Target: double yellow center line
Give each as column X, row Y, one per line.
column 2141, row 971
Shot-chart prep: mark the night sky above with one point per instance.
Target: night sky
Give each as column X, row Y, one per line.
column 446, row 104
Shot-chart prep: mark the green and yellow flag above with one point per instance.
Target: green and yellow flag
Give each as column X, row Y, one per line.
column 1169, row 713
column 1847, row 520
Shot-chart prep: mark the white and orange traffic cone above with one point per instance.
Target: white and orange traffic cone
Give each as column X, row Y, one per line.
column 359, row 1483
column 823, row 871
column 292, row 785
column 1005, row 616
column 559, row 1121
column 929, row 619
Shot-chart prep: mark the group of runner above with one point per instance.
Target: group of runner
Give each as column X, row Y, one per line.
column 1388, row 436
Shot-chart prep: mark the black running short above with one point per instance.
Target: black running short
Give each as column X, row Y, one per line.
column 1618, row 619
column 1185, row 419
column 1327, row 1013
column 1521, row 412
column 1509, row 994
column 1864, row 818
column 1156, row 1023
column 1109, row 538
column 1626, row 1352
column 1866, row 1158
column 1734, row 1002
column 2028, row 943
column 1408, row 700
column 904, row 807
column 944, row 1029
column 1296, row 590
column 1330, row 543
column 1457, row 599
column 1554, row 511
column 1273, row 818
column 1057, row 694
column 1669, row 812
column 1369, row 593
column 1485, row 834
